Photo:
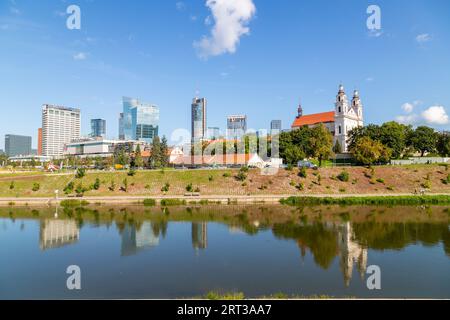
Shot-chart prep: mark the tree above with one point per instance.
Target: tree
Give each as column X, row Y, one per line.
column 137, row 161
column 424, row 139
column 164, row 152
column 443, row 144
column 155, row 156
column 395, row 136
column 321, row 143
column 337, row 147
column 368, row 151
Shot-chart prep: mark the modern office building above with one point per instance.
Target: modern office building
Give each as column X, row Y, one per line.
column 213, row 133
column 139, row 121
column 98, row 147
column 60, row 125
column 17, row 145
column 98, row 128
column 236, row 126
column 121, row 127
column 39, row 146
column 199, row 235
column 275, row 127
column 198, row 111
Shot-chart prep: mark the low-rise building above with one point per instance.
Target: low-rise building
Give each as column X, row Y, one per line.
column 99, row 147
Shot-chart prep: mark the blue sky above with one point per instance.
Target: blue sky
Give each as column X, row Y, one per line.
column 266, row 56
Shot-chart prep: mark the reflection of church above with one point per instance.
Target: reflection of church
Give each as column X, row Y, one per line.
column 351, row 253
column 58, row 233
column 135, row 240
column 199, row 235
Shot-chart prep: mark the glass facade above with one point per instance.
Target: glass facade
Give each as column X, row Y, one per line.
column 199, row 119
column 139, row 121
column 236, row 127
column 17, row 145
column 98, row 128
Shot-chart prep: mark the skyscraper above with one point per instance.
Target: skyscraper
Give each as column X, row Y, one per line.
column 140, row 121
column 39, row 149
column 199, row 130
column 236, row 127
column 98, row 128
column 275, row 127
column 17, row 145
column 60, row 125
column 213, row 133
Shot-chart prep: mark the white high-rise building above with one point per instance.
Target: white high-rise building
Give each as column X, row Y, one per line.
column 60, row 125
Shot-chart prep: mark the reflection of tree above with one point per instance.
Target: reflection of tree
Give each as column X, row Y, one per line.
column 321, row 241
column 396, row 236
column 159, row 228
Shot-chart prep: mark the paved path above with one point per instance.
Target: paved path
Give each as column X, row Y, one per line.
column 210, row 198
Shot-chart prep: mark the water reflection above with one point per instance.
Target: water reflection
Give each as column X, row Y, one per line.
column 333, row 240
column 138, row 238
column 58, row 233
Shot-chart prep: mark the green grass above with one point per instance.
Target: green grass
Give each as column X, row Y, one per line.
column 73, row 203
column 149, row 202
column 380, row 200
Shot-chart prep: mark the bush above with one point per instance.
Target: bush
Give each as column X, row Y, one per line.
column 173, row 202
column 226, row 175
column 112, row 186
column 131, row 172
column 289, row 167
column 197, row 190
column 380, row 180
column 244, row 169
column 80, row 190
column 149, row 202
column 189, row 187
column 12, row 185
column 302, row 173
column 69, row 188
column 211, row 178
column 300, row 186
column 344, row 176
column 36, row 187
column 166, row 187
column 125, row 185
column 241, row 176
column 426, row 184
column 447, row 180
column 81, row 173
column 96, row 184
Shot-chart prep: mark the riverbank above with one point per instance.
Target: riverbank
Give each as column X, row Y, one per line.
column 221, row 185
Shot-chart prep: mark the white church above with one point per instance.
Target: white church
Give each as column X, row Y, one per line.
column 346, row 116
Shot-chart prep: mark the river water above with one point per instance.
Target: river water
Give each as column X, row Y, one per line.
column 259, row 250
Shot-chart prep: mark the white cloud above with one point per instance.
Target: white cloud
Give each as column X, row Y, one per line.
column 422, row 38
column 375, row 33
column 231, row 18
column 180, row 5
column 80, row 56
column 408, row 107
column 370, row 79
column 435, row 115
column 408, row 119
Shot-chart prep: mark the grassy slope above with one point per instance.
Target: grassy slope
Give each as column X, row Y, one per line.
column 149, row 183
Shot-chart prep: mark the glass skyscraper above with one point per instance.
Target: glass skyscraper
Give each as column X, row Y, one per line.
column 98, row 128
column 139, row 121
column 236, row 127
column 199, row 130
column 17, row 145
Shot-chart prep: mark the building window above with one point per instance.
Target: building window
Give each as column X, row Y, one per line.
column 340, row 130
column 339, row 109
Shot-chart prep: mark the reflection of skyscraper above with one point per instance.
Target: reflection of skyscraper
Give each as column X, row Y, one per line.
column 200, row 235
column 134, row 240
column 350, row 253
column 58, row 233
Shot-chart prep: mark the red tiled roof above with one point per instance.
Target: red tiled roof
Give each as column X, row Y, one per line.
column 313, row 119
